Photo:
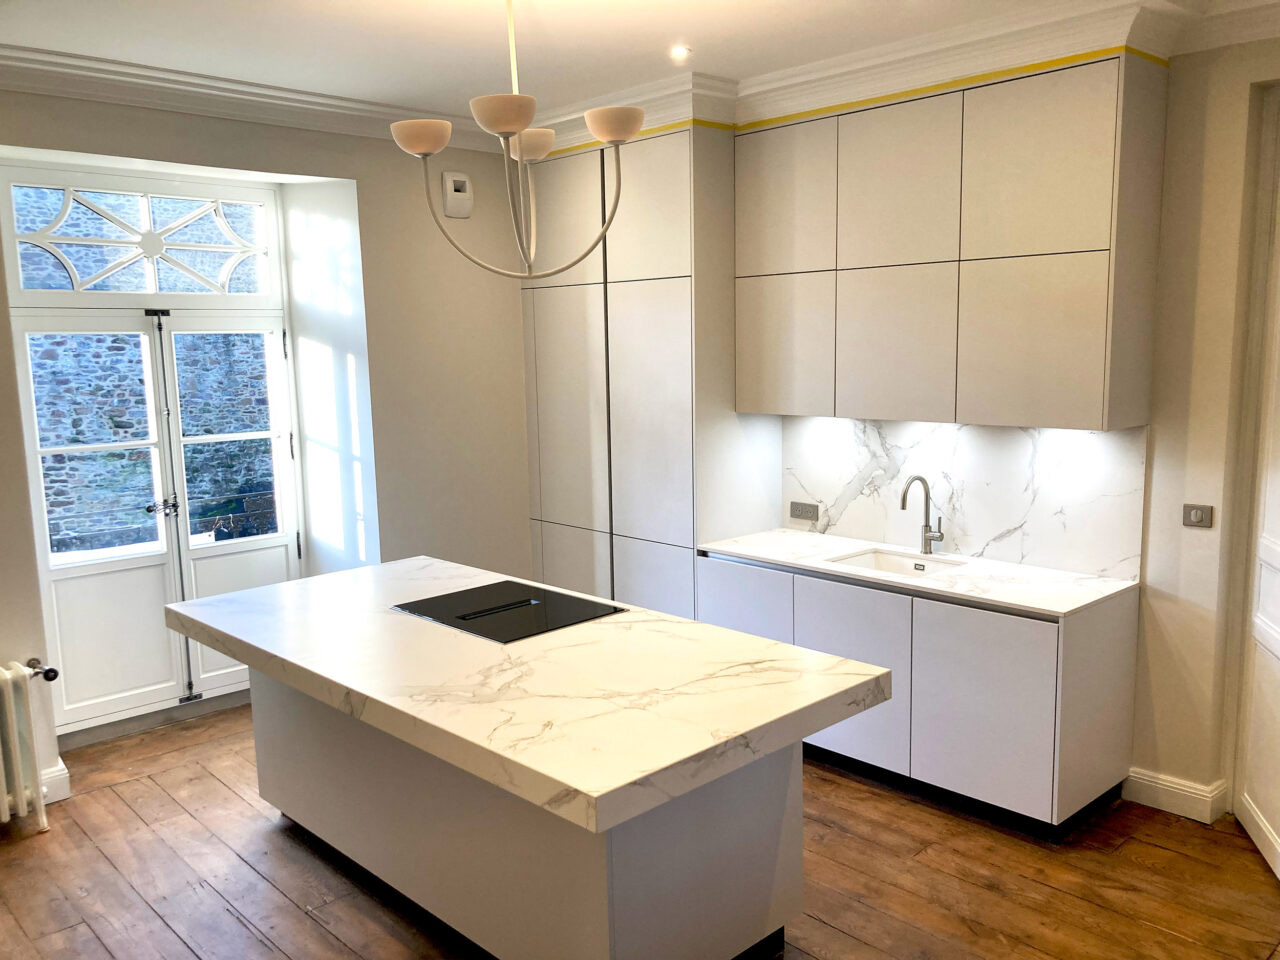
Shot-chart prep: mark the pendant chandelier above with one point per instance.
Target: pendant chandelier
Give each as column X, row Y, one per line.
column 507, row 116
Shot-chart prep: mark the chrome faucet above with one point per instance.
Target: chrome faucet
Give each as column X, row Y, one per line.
column 928, row 536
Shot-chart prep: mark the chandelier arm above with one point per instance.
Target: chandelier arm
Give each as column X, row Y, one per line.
column 513, row 274
column 526, row 218
column 529, row 275
column 516, row 208
column 533, row 220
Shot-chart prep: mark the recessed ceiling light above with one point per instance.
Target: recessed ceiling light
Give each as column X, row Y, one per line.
column 680, row 53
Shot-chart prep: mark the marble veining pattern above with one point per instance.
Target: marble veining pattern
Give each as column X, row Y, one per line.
column 598, row 722
column 1018, row 587
column 1064, row 499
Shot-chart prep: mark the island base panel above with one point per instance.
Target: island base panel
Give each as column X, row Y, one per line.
column 704, row 876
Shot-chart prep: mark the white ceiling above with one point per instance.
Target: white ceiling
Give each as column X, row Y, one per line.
column 438, row 53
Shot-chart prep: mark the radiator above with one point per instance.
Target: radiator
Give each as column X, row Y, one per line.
column 19, row 770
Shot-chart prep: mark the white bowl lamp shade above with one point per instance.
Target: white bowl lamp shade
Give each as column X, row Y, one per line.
column 614, row 124
column 532, row 144
column 422, row 138
column 504, row 114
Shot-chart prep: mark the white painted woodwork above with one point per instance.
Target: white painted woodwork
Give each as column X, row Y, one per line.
column 650, row 237
column 576, row 559
column 572, row 405
column 1039, row 156
column 570, row 203
column 531, row 403
column 896, row 342
column 651, row 409
column 873, row 626
column 737, row 458
column 656, row 576
column 216, row 569
column 786, row 338
column 899, row 183
column 110, row 641
column 745, row 597
column 704, row 875
column 983, row 697
column 1031, row 348
column 786, row 199
column 1097, row 677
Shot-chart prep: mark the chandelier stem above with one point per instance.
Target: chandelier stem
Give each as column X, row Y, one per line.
column 511, row 44
column 528, row 274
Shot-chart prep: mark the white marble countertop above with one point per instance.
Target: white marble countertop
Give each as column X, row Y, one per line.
column 1018, row 587
column 597, row 722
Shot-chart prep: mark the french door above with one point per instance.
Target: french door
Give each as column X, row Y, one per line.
column 160, row 460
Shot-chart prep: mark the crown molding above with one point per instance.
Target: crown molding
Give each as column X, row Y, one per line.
column 666, row 103
column 1231, row 23
column 951, row 55
column 28, row 70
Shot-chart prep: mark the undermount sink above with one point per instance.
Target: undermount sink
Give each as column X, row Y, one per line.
column 903, row 563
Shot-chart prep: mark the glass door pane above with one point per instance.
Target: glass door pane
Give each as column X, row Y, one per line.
column 98, row 445
column 224, row 407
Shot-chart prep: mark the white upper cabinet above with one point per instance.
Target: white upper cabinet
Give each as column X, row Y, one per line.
column 650, row 236
column 651, row 409
column 569, row 350
column 899, row 193
column 570, row 203
column 786, row 341
column 896, row 342
column 1033, row 341
column 786, row 199
column 1039, row 163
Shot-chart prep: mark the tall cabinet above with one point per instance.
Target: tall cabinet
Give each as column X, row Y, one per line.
column 633, row 433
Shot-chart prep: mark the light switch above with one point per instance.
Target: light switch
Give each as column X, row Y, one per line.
column 1197, row 515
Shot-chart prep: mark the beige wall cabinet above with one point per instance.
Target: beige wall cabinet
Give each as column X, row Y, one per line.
column 650, row 236
column 1032, row 341
column 577, row 559
column 785, row 201
column 570, row 212
column 1039, row 158
column 651, row 409
column 899, row 183
column 896, row 342
column 572, row 405
column 786, row 344
column 657, row 576
column 1045, row 188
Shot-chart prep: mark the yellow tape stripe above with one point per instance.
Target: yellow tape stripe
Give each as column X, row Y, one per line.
column 970, row 81
column 973, row 80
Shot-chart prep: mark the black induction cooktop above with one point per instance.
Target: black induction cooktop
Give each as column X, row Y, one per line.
column 507, row 610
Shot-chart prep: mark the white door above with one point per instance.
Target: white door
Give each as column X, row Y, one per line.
column 230, row 431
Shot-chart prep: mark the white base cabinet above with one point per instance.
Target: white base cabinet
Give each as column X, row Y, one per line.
column 985, row 699
column 747, row 598
column 873, row 626
column 1032, row 715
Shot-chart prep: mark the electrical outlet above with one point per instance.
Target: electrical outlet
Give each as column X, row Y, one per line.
column 804, row 511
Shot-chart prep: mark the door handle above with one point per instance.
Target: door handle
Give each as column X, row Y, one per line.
column 167, row 507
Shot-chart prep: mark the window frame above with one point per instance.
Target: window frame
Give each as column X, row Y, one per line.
column 270, row 297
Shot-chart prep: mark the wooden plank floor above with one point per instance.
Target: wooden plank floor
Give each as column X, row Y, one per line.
column 166, row 851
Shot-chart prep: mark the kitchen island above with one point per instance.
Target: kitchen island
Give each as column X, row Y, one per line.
column 627, row 787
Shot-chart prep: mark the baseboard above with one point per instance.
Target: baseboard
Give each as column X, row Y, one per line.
column 1259, row 831
column 1198, row 801
column 138, row 723
column 56, row 781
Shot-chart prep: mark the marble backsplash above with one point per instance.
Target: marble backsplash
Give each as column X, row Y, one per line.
column 1068, row 499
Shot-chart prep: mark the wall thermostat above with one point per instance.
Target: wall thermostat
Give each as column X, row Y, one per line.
column 457, row 195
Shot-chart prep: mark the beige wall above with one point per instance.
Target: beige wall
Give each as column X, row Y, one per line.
column 1191, row 605
column 445, row 347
